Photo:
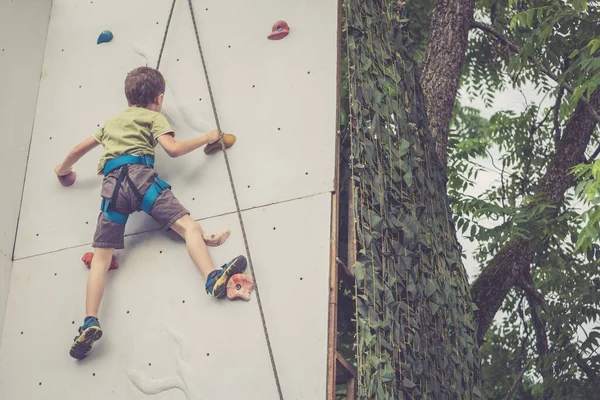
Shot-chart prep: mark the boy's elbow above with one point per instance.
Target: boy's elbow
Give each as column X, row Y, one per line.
column 173, row 152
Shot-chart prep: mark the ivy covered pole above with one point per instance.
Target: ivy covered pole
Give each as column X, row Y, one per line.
column 415, row 333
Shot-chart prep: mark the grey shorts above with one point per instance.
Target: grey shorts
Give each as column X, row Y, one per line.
column 166, row 209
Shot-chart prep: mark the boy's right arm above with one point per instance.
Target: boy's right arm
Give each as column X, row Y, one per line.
column 74, row 155
column 176, row 149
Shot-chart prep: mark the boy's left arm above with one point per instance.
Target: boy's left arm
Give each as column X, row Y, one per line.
column 74, row 155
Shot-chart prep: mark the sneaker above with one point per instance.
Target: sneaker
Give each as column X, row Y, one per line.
column 89, row 332
column 216, row 282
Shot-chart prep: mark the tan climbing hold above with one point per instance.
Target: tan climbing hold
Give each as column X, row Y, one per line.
column 240, row 286
column 217, row 238
column 229, row 140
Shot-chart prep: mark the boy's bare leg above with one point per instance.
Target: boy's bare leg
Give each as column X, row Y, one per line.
column 95, row 283
column 191, row 232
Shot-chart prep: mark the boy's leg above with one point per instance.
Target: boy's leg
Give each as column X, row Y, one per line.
column 191, row 232
column 95, row 283
column 90, row 331
column 216, row 279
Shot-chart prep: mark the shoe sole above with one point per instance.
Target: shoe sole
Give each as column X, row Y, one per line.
column 238, row 265
column 83, row 344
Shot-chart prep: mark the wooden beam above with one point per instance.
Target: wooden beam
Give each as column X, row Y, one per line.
column 333, row 268
column 346, row 365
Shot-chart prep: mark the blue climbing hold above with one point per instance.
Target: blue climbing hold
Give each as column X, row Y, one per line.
column 105, row 36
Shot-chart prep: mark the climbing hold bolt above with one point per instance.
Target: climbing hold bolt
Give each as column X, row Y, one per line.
column 105, row 36
column 279, row 31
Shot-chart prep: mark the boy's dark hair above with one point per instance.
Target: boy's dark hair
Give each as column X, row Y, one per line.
column 143, row 85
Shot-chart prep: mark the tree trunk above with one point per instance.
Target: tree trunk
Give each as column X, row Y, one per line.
column 510, row 266
column 446, row 52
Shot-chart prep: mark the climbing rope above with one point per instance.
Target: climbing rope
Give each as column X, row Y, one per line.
column 162, row 46
column 237, row 204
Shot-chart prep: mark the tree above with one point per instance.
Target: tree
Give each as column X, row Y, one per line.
column 532, row 268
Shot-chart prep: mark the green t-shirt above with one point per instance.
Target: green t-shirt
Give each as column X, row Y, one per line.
column 134, row 131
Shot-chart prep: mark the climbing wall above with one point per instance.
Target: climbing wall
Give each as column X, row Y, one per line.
column 21, row 22
column 164, row 337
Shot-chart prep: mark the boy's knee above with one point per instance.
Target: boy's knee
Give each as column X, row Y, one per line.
column 188, row 225
column 193, row 227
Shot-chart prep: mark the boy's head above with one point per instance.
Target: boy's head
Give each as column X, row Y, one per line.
column 144, row 87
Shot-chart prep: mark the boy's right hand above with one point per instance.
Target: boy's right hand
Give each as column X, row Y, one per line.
column 60, row 171
column 212, row 136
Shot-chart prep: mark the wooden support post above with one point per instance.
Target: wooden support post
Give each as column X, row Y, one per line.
column 333, row 268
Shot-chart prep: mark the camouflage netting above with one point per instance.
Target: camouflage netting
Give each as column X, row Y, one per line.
column 415, row 333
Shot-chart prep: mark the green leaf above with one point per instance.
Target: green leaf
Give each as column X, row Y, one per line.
column 407, row 383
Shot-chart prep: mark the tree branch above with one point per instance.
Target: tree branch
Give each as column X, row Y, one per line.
column 515, row 385
column 513, row 261
column 594, row 155
column 490, row 29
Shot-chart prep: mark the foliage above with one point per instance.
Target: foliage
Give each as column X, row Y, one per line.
column 415, row 334
column 561, row 36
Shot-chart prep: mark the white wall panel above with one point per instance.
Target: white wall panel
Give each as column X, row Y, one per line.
column 23, row 30
column 5, row 271
column 278, row 97
column 148, row 326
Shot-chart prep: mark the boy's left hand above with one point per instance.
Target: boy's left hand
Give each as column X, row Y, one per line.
column 61, row 171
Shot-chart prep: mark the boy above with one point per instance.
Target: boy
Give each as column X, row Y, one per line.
column 131, row 184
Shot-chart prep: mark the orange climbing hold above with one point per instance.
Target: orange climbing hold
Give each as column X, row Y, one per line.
column 240, row 286
column 229, row 140
column 87, row 260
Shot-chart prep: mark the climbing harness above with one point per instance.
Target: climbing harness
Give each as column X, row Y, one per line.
column 237, row 205
column 109, row 206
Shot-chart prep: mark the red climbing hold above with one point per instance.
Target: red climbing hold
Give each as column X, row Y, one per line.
column 87, row 260
column 240, row 286
column 68, row 180
column 279, row 31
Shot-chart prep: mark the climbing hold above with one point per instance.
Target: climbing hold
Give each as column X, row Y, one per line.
column 217, row 238
column 68, row 179
column 240, row 286
column 279, row 31
column 105, row 36
column 227, row 138
column 87, row 260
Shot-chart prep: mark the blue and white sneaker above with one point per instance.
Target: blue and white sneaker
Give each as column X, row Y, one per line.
column 216, row 282
column 89, row 332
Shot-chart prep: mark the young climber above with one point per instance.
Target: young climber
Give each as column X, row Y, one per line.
column 131, row 184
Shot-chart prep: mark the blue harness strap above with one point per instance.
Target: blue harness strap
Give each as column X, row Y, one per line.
column 152, row 194
column 115, row 163
column 148, row 199
column 113, row 215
